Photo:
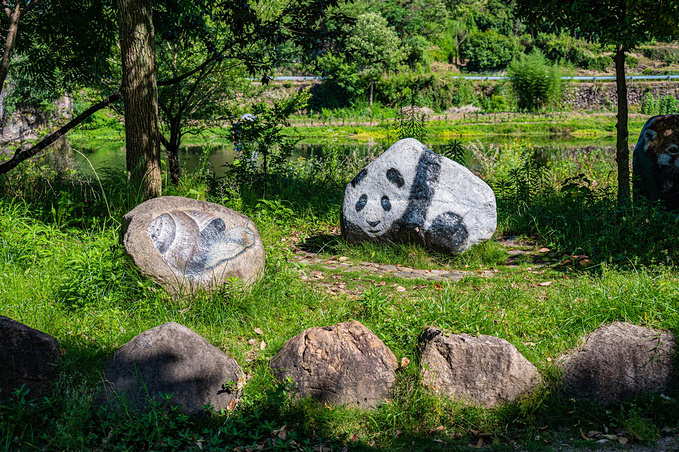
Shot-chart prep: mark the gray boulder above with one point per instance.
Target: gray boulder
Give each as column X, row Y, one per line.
column 410, row 193
column 619, row 361
column 187, row 245
column 482, row 370
column 28, row 358
column 172, row 359
column 656, row 161
column 340, row 364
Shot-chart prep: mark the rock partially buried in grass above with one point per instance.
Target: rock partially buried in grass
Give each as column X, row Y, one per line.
column 340, row 364
column 410, row 193
column 171, row 359
column 619, row 361
column 484, row 370
column 28, row 358
column 187, row 245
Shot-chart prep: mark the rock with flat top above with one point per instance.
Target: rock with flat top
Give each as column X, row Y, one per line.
column 619, row 361
column 483, row 370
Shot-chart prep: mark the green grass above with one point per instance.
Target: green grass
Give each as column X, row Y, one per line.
column 63, row 272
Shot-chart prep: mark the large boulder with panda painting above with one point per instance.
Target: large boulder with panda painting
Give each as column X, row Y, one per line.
column 411, row 194
column 656, row 161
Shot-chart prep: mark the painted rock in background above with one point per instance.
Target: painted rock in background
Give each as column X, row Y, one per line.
column 185, row 244
column 656, row 161
column 410, row 193
column 171, row 359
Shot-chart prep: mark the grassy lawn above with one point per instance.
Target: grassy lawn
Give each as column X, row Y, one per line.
column 564, row 261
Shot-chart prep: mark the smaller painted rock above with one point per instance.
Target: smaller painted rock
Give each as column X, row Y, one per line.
column 28, row 358
column 185, row 244
column 410, row 193
column 340, row 364
column 656, row 161
column 171, row 359
column 619, row 361
column 483, row 370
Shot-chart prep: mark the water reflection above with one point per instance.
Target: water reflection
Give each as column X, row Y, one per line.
column 217, row 157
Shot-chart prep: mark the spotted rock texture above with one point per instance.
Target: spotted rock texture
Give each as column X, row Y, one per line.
column 187, row 245
column 483, row 370
column 656, row 161
column 619, row 361
column 28, row 357
column 340, row 364
column 410, row 193
column 172, row 359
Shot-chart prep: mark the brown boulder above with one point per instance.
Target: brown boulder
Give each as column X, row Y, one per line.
column 186, row 245
column 28, row 358
column 618, row 361
column 482, row 370
column 340, row 364
column 172, row 359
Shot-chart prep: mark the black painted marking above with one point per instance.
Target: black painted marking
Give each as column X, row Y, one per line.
column 448, row 231
column 359, row 177
column 362, row 201
column 386, row 205
column 395, row 177
column 422, row 190
column 374, row 223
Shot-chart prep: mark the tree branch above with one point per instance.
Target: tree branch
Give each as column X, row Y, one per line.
column 23, row 154
column 28, row 7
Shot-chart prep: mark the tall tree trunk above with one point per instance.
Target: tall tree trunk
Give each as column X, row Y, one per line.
column 372, row 83
column 12, row 29
column 622, row 145
column 140, row 94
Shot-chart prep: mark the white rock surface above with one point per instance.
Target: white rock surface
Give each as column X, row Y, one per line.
column 410, row 193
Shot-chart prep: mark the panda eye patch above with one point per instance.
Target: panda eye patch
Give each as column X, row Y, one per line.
column 386, row 205
column 362, row 201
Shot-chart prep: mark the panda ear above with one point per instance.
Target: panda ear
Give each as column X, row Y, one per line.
column 394, row 176
column 650, row 134
column 358, row 178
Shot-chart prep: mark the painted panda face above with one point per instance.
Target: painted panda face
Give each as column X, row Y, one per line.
column 661, row 142
column 377, row 200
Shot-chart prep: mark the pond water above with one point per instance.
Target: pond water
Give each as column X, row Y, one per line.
column 217, row 157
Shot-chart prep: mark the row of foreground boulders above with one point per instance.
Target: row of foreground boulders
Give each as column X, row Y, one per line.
column 347, row 364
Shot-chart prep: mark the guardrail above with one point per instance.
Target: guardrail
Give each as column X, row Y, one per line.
column 590, row 78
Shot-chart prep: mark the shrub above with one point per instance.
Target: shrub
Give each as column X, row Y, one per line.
column 488, row 50
column 535, row 83
column 666, row 105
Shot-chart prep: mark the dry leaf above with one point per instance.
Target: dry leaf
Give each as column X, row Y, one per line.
column 259, row 331
column 479, row 444
column 438, row 286
column 544, row 250
column 282, row 434
column 343, row 258
column 623, row 440
column 400, row 289
column 546, row 283
column 404, row 362
column 232, row 405
column 252, row 342
column 582, row 434
column 262, row 345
